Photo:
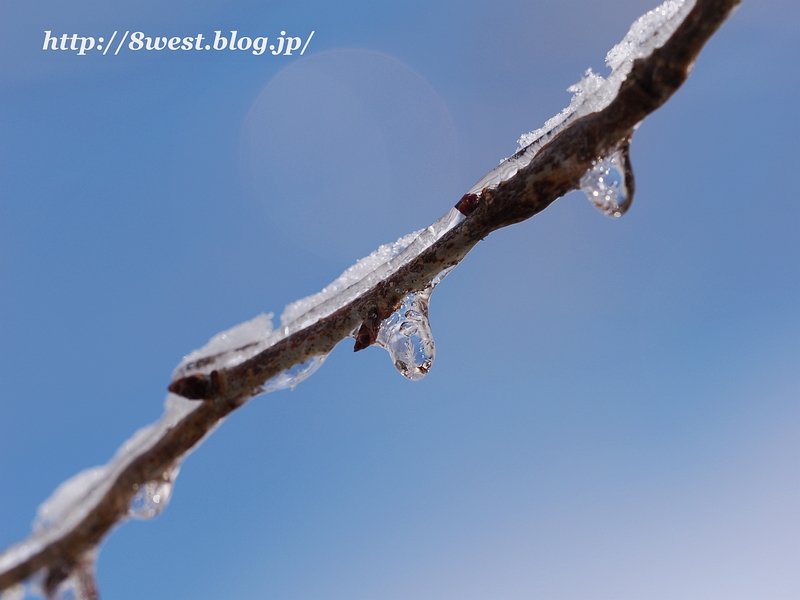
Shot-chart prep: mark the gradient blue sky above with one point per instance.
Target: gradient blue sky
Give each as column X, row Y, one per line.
column 613, row 411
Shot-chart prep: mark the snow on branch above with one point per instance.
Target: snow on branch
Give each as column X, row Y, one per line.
column 382, row 299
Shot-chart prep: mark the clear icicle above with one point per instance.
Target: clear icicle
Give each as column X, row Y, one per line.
column 152, row 498
column 609, row 184
column 294, row 375
column 407, row 334
column 408, row 338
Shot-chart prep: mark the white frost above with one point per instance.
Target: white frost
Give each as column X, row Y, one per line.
column 295, row 312
column 647, row 33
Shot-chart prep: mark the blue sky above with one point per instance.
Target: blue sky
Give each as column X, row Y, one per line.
column 614, row 404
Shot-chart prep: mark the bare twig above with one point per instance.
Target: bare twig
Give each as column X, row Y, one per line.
column 555, row 170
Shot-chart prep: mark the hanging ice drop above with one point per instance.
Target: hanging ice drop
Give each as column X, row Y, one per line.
column 407, row 336
column 152, row 498
column 609, row 184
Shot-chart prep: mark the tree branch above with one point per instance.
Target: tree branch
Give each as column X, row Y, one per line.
column 555, row 169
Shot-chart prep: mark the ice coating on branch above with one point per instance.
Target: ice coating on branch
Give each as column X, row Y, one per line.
column 586, row 94
column 240, row 343
column 352, row 276
column 74, row 498
column 291, row 377
column 647, row 33
column 593, row 93
column 228, row 348
column 609, row 184
column 363, row 275
column 67, row 497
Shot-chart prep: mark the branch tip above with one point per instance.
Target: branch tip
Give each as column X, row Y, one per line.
column 196, row 387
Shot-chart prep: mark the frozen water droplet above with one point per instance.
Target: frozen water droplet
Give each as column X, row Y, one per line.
column 609, row 184
column 291, row 377
column 408, row 338
column 407, row 334
column 152, row 498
